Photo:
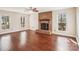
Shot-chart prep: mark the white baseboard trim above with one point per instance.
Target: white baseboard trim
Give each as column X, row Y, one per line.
column 77, row 38
column 33, row 29
column 65, row 35
column 12, row 31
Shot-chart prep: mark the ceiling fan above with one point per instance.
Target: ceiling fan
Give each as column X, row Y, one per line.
column 31, row 9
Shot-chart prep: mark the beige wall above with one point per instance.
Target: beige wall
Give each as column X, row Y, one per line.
column 14, row 21
column 33, row 21
column 71, row 22
column 77, row 24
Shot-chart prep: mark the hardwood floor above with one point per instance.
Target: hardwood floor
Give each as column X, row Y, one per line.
column 32, row 41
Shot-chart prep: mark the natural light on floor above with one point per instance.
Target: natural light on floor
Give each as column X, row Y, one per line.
column 62, row 44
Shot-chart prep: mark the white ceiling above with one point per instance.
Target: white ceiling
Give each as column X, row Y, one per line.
column 42, row 9
column 22, row 9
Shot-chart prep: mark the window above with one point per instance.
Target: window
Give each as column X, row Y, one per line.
column 22, row 21
column 62, row 22
column 5, row 22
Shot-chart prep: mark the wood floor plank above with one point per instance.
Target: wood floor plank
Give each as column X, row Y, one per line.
column 32, row 41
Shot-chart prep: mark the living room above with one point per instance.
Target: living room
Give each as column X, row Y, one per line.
column 39, row 28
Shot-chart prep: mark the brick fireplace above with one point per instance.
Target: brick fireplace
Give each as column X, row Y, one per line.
column 45, row 22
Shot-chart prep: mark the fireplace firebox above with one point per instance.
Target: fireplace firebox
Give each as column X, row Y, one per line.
column 44, row 26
